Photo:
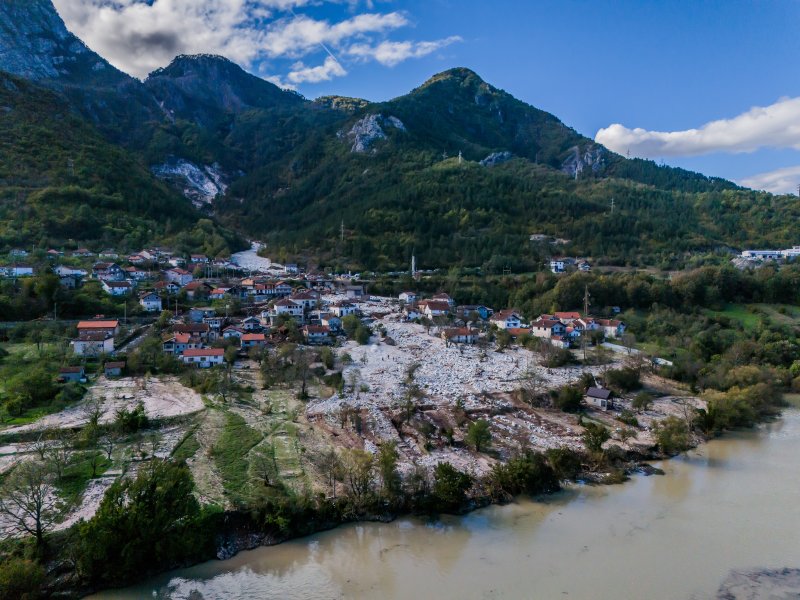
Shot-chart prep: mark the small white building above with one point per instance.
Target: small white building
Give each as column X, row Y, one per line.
column 150, row 301
column 93, row 343
column 117, row 288
column 506, row 319
column 204, row 357
column 408, row 297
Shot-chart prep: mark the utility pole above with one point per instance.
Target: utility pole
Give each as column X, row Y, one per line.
column 342, row 232
column 612, row 206
column 460, row 158
column 586, row 297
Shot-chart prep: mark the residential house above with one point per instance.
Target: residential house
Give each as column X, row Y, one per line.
column 178, row 343
column 506, row 319
column 106, row 271
column 69, row 282
column 307, row 298
column 468, row 312
column 251, row 324
column 611, row 328
column 287, row 307
column 557, row 265
column 584, row 266
column 343, row 308
column 170, row 287
column 218, row 293
column 233, row 332
column 83, row 253
column 108, row 255
column 113, row 369
column 290, row 268
column 599, row 398
column 460, row 335
column 516, row 332
column 565, row 317
column 19, row 271
column 105, row 325
column 408, row 297
column 215, row 323
column 332, row 322
column 93, row 343
column 545, row 328
column 71, row 374
column 204, row 357
column 52, row 253
column 354, row 291
column 117, row 288
column 442, row 297
column 64, row 271
column 150, row 301
column 179, row 276
column 18, row 253
column 197, row 314
column 200, row 330
column 196, row 290
column 253, row 340
column 136, row 273
column 199, row 259
column 317, row 334
column 434, row 308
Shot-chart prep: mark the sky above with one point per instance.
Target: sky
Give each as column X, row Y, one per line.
column 706, row 85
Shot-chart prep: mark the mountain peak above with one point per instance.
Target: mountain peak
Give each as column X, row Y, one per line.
column 36, row 44
column 459, row 74
column 200, row 86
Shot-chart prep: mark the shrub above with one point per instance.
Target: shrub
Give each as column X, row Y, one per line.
column 450, row 487
column 625, row 379
column 568, row 399
column 527, row 474
column 672, row 435
column 20, row 578
column 566, row 463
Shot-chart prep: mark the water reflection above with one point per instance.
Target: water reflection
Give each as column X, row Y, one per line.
column 735, row 504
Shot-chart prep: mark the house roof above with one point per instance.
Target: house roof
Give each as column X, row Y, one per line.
column 93, row 336
column 117, row 284
column 545, row 323
column 204, row 352
column 599, row 393
column 114, row 365
column 319, row 329
column 98, row 325
column 459, row 331
column 254, row 337
column 517, row 331
column 71, row 370
column 504, row 314
column 567, row 315
column 191, row 328
column 439, row 305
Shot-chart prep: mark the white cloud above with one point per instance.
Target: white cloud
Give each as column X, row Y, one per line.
column 780, row 181
column 138, row 36
column 298, row 35
column 773, row 126
column 324, row 72
column 391, row 53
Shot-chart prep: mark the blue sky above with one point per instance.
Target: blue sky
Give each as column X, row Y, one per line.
column 665, row 66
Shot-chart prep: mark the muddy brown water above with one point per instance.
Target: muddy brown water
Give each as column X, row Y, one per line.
column 733, row 504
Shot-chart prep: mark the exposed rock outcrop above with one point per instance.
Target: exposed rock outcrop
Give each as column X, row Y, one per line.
column 591, row 157
column 365, row 132
column 496, row 158
column 200, row 184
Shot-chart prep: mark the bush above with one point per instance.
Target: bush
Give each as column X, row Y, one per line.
column 450, row 487
column 20, row 579
column 568, row 399
column 558, row 357
column 131, row 421
column 527, row 474
column 624, row 380
column 628, row 418
column 478, row 435
column 672, row 435
column 594, row 436
column 642, row 401
column 566, row 463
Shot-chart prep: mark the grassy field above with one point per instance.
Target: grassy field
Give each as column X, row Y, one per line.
column 230, row 453
column 741, row 313
column 751, row 316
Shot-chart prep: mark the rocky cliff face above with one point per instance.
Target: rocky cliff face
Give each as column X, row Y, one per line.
column 35, row 44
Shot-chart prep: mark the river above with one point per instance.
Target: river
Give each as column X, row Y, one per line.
column 732, row 504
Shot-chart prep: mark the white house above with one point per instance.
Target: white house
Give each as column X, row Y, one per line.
column 460, row 335
column 93, row 343
column 342, row 309
column 150, row 301
column 408, row 297
column 611, row 327
column 204, row 357
column 117, row 288
column 317, row 334
column 435, row 308
column 557, row 265
column 179, row 276
column 546, row 328
column 287, row 307
column 20, row 271
column 506, row 319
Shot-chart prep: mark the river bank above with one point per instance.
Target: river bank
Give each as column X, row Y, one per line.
column 677, row 536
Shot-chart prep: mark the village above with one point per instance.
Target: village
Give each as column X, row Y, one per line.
column 416, row 370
